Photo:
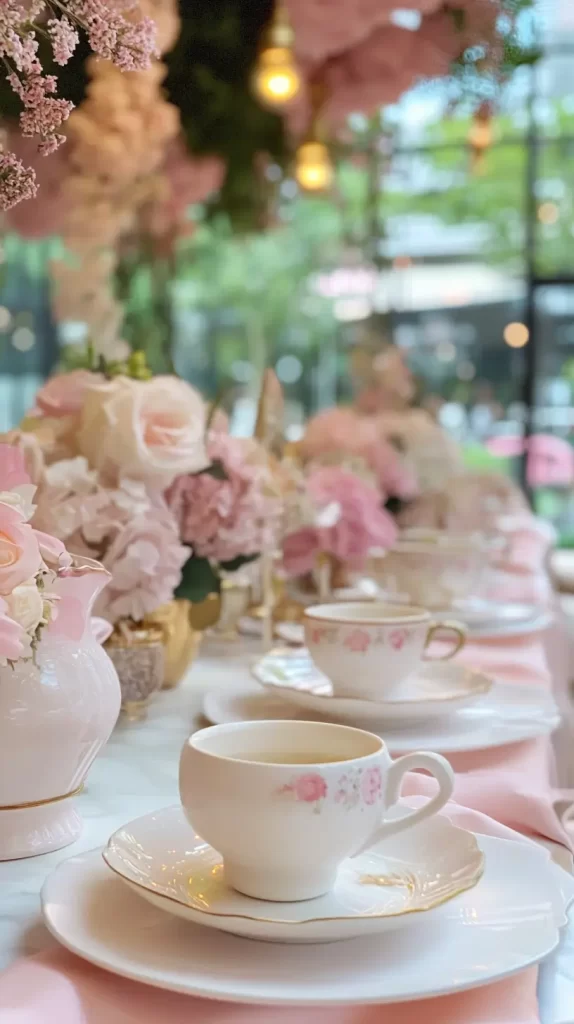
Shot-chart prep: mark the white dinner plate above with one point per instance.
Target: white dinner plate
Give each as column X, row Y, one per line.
column 507, row 922
column 417, row 871
column 433, row 689
column 509, row 713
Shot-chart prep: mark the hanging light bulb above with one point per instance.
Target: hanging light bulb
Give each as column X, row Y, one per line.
column 314, row 170
column 313, row 166
column 276, row 79
column 480, row 136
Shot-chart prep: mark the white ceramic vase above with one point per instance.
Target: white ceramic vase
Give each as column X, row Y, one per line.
column 56, row 712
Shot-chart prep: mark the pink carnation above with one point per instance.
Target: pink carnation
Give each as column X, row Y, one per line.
column 342, row 431
column 362, row 523
column 222, row 519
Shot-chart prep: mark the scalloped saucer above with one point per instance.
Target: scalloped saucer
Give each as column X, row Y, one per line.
column 434, row 689
column 160, row 857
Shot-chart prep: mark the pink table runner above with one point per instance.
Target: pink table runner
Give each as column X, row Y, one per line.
column 57, row 988
column 511, row 784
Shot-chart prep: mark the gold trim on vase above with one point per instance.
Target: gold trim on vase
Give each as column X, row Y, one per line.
column 43, row 803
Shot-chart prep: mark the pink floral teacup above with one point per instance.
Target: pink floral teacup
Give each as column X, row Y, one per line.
column 368, row 649
column 285, row 803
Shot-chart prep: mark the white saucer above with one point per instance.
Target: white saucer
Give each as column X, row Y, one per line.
column 434, row 689
column 160, row 857
column 509, row 713
column 485, row 620
column 506, row 923
column 490, row 619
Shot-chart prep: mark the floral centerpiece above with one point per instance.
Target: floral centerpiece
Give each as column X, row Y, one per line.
column 130, row 472
column 340, row 517
column 103, row 447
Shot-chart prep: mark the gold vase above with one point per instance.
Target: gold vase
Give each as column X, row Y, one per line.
column 137, row 651
column 182, row 624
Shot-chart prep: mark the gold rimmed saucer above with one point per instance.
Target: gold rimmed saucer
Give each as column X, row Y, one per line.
column 434, row 689
column 160, row 858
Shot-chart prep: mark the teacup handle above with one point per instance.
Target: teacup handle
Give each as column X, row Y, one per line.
column 459, row 639
column 438, row 767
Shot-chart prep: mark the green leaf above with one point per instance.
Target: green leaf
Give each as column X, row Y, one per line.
column 236, row 563
column 199, row 579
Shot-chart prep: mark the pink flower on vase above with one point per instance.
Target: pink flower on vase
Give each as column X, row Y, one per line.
column 308, row 788
column 149, row 430
column 64, row 394
column 371, row 785
column 239, row 515
column 398, row 638
column 13, row 471
column 358, row 641
column 360, row 525
column 145, row 559
column 342, row 431
column 20, row 557
column 12, row 636
column 52, row 550
column 300, row 551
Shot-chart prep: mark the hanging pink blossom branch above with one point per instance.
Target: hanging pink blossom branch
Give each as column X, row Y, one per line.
column 128, row 43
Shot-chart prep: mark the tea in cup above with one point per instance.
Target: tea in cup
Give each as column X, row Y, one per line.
column 285, row 803
column 367, row 649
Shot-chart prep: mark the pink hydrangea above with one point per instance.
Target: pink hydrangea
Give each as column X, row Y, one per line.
column 342, row 431
column 361, row 523
column 145, row 559
column 222, row 519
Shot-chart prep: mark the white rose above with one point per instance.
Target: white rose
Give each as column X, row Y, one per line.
column 21, row 498
column 151, row 430
column 26, row 606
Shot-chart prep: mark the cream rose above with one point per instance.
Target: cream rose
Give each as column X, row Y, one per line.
column 149, row 430
column 20, row 555
column 26, row 606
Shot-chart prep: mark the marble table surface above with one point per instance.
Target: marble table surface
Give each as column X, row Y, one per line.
column 137, row 773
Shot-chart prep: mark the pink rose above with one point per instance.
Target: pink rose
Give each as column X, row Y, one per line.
column 149, row 430
column 63, row 395
column 53, row 552
column 371, row 785
column 11, row 636
column 19, row 552
column 310, row 788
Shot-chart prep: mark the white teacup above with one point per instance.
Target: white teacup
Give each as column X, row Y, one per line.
column 367, row 649
column 285, row 803
column 432, row 568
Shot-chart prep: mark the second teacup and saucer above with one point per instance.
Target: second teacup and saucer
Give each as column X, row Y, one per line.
column 366, row 661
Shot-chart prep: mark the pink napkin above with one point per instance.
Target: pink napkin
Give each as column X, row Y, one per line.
column 58, row 988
